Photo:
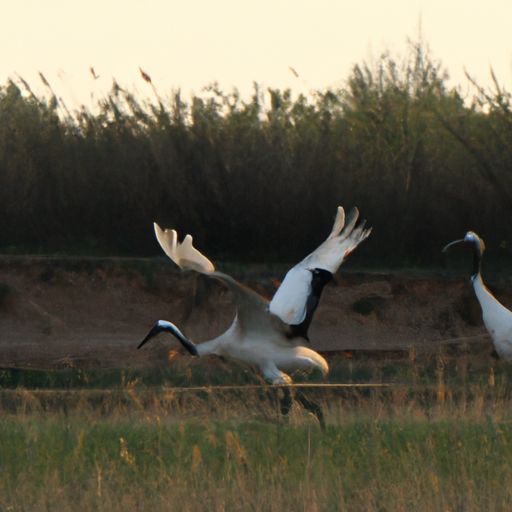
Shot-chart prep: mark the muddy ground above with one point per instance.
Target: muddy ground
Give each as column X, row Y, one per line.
column 58, row 312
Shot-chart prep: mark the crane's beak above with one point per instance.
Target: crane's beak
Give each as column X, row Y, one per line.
column 447, row 246
column 156, row 329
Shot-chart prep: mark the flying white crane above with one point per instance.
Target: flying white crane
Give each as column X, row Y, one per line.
column 497, row 318
column 270, row 335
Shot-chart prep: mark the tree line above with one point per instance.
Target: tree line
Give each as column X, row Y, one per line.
column 260, row 178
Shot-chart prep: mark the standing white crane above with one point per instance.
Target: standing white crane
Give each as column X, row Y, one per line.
column 497, row 318
column 267, row 334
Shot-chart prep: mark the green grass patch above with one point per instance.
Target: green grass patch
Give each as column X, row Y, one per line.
column 440, row 438
column 365, row 463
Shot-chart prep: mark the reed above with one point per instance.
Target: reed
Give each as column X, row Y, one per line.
column 254, row 178
column 437, row 437
column 388, row 450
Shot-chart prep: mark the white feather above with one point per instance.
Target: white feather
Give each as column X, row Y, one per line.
column 290, row 300
column 497, row 319
column 339, row 222
column 185, row 255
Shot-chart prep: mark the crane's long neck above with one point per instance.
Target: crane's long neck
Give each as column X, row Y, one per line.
column 166, row 326
column 477, row 263
column 492, row 308
column 482, row 293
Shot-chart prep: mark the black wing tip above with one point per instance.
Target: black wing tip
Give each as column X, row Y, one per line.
column 298, row 331
column 320, row 277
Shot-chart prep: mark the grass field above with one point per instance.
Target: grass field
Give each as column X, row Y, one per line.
column 438, row 438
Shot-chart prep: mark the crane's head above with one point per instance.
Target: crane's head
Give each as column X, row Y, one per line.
column 470, row 237
column 478, row 245
column 473, row 238
column 165, row 326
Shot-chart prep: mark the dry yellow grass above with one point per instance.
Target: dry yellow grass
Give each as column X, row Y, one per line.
column 430, row 448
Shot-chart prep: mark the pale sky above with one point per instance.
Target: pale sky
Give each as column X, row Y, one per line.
column 188, row 44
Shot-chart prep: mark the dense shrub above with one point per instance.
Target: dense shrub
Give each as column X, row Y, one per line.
column 260, row 178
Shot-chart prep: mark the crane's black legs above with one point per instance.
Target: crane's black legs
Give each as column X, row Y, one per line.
column 286, row 402
column 311, row 406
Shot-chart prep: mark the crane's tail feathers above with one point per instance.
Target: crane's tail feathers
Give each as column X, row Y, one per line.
column 184, row 254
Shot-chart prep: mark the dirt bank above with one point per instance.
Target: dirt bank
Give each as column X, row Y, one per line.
column 93, row 312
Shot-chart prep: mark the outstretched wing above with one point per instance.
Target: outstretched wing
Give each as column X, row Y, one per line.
column 296, row 300
column 184, row 254
column 252, row 308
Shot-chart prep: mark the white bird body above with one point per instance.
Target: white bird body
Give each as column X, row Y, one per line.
column 269, row 335
column 269, row 351
column 496, row 317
